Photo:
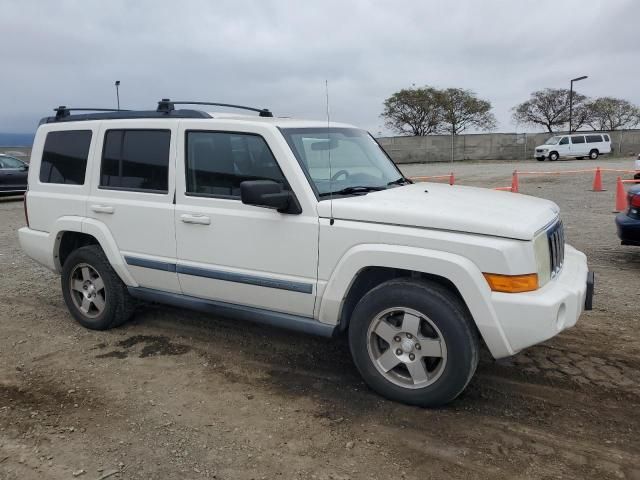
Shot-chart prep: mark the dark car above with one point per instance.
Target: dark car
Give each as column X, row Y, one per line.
column 13, row 176
column 628, row 222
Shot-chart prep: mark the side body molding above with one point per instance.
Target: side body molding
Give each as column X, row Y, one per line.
column 459, row 270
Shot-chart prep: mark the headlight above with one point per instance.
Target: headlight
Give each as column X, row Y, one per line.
column 543, row 258
column 545, row 150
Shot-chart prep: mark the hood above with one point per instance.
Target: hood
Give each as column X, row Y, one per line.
column 444, row 207
column 546, row 146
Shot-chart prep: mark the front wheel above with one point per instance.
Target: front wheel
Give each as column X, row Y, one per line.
column 553, row 156
column 414, row 342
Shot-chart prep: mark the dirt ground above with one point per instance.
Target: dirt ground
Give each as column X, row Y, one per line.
column 177, row 394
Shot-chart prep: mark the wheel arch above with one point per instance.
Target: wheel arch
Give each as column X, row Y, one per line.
column 75, row 232
column 366, row 266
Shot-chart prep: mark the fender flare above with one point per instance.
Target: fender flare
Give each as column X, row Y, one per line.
column 101, row 233
column 460, row 271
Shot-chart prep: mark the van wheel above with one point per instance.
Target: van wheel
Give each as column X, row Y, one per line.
column 593, row 154
column 93, row 292
column 553, row 156
column 414, row 342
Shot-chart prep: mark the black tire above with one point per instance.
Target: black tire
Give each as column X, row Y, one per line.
column 593, row 154
column 579, row 158
column 118, row 304
column 446, row 311
column 553, row 156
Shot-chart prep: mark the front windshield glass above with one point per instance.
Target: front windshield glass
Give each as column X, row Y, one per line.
column 552, row 141
column 342, row 160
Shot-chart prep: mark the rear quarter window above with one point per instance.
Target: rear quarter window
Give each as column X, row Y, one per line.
column 64, row 157
column 594, row 138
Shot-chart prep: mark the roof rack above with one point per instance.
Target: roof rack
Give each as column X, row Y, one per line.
column 166, row 105
column 63, row 111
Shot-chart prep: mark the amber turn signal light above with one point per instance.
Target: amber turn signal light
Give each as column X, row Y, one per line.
column 512, row 283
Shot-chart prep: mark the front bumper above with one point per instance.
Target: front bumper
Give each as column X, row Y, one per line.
column 628, row 229
column 533, row 317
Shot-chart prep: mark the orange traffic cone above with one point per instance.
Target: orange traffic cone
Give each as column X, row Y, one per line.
column 597, row 181
column 515, row 184
column 452, row 178
column 621, row 200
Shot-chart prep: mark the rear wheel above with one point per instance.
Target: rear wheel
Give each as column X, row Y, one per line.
column 414, row 342
column 93, row 292
column 593, row 154
column 553, row 156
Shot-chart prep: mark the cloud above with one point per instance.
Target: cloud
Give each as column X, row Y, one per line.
column 277, row 54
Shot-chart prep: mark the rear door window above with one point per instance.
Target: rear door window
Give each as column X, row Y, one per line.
column 64, row 158
column 136, row 160
column 606, row 138
column 579, row 139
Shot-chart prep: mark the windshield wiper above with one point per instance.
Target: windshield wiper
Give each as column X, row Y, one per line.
column 400, row 181
column 353, row 189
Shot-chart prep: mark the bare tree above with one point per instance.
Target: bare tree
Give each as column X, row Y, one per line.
column 548, row 108
column 461, row 109
column 413, row 111
column 607, row 113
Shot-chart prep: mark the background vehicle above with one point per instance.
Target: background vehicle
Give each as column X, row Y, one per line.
column 301, row 225
column 575, row 145
column 13, row 175
column 628, row 223
column 637, row 168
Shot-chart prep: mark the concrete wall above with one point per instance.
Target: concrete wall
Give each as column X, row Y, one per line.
column 23, row 153
column 487, row 146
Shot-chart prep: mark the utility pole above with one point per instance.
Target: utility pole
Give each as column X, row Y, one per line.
column 118, row 93
column 571, row 99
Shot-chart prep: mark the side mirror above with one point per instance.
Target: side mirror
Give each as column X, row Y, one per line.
column 25, row 166
column 269, row 194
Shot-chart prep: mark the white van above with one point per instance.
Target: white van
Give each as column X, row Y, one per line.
column 576, row 145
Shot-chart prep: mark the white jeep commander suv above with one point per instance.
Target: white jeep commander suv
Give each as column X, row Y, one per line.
column 302, row 225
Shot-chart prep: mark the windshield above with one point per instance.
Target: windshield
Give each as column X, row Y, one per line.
column 342, row 160
column 552, row 141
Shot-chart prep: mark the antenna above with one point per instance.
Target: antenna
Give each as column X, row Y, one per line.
column 326, row 89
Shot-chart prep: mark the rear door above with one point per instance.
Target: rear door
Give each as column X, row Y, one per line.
column 132, row 190
column 579, row 148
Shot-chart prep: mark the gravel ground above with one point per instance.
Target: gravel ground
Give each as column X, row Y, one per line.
column 177, row 394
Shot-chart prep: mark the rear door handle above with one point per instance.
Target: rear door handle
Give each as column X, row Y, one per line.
column 102, row 208
column 197, row 219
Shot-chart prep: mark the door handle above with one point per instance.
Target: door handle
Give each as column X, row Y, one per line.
column 197, row 219
column 102, row 208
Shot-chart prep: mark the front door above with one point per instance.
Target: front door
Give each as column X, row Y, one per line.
column 564, row 147
column 232, row 252
column 132, row 188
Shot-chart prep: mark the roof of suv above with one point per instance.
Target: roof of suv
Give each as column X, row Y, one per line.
column 167, row 111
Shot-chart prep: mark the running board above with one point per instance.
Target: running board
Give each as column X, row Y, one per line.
column 241, row 312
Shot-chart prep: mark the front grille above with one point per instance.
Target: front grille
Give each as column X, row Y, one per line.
column 556, row 247
column 539, row 150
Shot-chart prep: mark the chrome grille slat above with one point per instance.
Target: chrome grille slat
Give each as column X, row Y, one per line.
column 555, row 235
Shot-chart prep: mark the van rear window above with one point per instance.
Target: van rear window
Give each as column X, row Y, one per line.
column 64, row 159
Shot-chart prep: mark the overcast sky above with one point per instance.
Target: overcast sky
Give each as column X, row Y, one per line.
column 277, row 54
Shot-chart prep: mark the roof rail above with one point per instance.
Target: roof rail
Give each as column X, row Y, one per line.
column 63, row 111
column 166, row 105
